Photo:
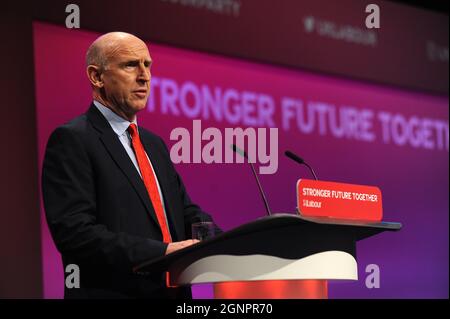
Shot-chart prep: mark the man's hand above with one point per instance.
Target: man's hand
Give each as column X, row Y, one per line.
column 172, row 247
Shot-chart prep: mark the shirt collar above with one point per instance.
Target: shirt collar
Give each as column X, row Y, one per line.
column 118, row 124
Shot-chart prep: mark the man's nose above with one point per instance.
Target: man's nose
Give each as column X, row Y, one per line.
column 144, row 73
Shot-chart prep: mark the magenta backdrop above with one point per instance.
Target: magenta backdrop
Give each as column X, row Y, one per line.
column 414, row 180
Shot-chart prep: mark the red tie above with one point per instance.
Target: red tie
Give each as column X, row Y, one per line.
column 149, row 179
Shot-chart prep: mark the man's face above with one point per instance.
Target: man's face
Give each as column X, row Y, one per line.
column 127, row 77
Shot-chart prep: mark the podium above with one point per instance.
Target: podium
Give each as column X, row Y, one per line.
column 275, row 256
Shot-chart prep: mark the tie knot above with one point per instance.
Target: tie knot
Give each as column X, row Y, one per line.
column 132, row 129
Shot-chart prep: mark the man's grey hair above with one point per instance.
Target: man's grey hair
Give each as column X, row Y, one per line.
column 96, row 56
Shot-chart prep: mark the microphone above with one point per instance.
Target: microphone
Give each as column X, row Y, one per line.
column 300, row 160
column 244, row 154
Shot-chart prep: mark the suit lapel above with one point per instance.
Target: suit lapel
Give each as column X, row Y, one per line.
column 120, row 156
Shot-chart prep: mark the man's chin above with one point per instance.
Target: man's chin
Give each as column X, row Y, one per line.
column 137, row 107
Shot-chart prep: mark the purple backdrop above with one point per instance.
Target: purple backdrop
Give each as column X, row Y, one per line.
column 391, row 138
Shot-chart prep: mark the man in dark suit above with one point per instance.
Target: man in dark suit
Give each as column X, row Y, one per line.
column 112, row 196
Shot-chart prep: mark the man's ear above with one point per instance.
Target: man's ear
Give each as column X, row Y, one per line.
column 95, row 76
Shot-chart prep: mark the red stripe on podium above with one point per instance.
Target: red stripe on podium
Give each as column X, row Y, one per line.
column 272, row 289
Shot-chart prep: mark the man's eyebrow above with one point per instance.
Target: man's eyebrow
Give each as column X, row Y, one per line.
column 136, row 62
column 130, row 61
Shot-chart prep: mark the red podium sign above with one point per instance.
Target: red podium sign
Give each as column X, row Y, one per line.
column 339, row 200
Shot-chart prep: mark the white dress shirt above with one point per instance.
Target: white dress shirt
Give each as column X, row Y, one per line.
column 120, row 127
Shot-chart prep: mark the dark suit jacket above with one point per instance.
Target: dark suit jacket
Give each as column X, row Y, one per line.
column 99, row 212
